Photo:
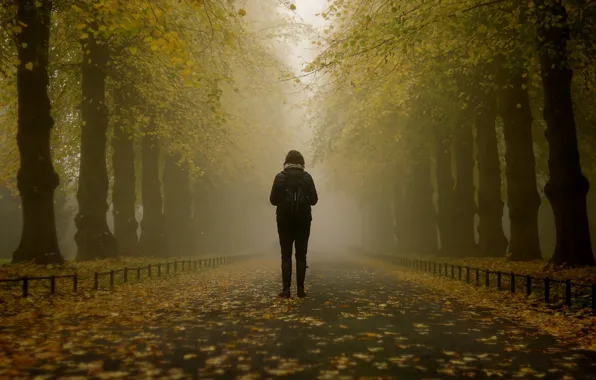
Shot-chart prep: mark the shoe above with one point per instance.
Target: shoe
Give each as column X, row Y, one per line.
column 300, row 275
column 286, row 278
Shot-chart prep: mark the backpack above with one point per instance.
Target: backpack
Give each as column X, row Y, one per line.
column 295, row 202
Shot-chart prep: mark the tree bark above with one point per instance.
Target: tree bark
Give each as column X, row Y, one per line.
column 199, row 207
column 420, row 231
column 464, row 207
column 399, row 217
column 177, row 208
column 93, row 237
column 492, row 240
column 152, row 240
column 36, row 179
column 420, row 234
column 522, row 191
column 445, row 186
column 567, row 187
column 123, row 192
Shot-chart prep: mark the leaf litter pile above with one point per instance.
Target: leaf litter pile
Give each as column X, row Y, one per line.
column 358, row 322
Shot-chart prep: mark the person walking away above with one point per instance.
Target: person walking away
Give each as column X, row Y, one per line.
column 293, row 193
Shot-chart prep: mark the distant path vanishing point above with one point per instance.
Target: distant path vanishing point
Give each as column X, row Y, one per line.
column 357, row 322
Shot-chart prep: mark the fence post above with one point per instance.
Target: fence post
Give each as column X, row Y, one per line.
column 487, row 278
column 52, row 284
column 158, row 269
column 499, row 280
column 468, row 275
column 477, row 277
column 568, row 292
column 112, row 279
column 75, row 282
column 512, row 283
column 125, row 274
column 138, row 273
column 528, row 285
column 96, row 281
column 459, row 272
column 594, row 297
column 452, row 271
column 25, row 286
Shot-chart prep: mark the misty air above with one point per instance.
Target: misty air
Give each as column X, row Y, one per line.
column 305, row 189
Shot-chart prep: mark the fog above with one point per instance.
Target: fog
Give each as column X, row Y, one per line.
column 215, row 127
column 239, row 217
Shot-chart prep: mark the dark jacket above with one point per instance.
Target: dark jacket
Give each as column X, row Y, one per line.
column 278, row 190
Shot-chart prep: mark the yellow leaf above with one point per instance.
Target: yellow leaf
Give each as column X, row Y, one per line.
column 81, row 26
column 242, row 12
column 29, row 66
column 84, row 35
column 292, row 7
column 17, row 29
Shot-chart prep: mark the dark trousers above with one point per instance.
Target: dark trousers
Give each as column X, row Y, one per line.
column 293, row 234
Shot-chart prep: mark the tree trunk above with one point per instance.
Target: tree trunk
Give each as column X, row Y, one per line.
column 200, row 215
column 567, row 187
column 420, row 234
column 399, row 216
column 420, row 230
column 93, row 237
column 445, row 187
column 36, row 180
column 522, row 192
column 492, row 240
column 177, row 208
column 152, row 240
column 464, row 207
column 123, row 191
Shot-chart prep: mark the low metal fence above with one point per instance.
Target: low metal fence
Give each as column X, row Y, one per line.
column 548, row 289
column 148, row 271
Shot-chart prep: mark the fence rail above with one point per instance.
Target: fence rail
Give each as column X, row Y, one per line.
column 550, row 290
column 149, row 271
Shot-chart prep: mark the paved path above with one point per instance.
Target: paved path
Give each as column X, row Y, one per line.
column 227, row 323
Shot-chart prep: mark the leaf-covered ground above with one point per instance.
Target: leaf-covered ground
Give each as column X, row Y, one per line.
column 11, row 291
column 359, row 321
column 574, row 325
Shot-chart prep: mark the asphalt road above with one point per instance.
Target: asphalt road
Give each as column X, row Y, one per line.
column 228, row 323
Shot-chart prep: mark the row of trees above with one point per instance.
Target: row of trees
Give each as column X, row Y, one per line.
column 433, row 101
column 113, row 97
